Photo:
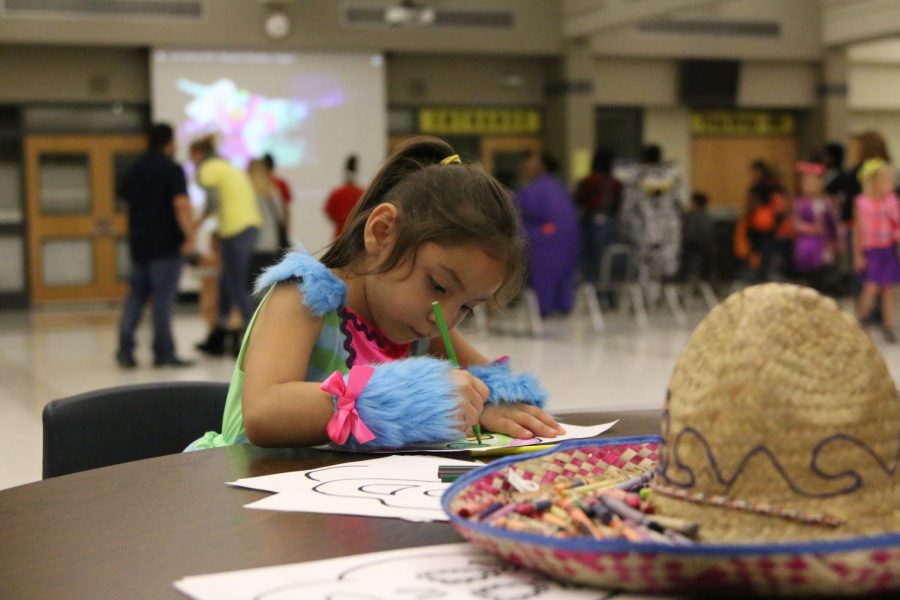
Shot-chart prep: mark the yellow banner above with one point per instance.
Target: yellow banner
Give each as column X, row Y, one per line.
column 726, row 122
column 479, row 121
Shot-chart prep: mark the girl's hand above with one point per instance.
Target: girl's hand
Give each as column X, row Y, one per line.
column 859, row 263
column 472, row 393
column 519, row 420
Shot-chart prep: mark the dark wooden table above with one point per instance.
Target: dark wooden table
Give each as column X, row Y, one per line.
column 131, row 530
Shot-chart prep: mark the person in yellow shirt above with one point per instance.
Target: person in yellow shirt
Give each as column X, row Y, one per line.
column 230, row 195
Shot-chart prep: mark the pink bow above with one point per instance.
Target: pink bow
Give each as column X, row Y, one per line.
column 346, row 419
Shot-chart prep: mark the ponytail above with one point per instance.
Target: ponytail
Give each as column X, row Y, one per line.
column 439, row 200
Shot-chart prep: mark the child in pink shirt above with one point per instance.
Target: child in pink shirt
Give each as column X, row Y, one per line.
column 877, row 224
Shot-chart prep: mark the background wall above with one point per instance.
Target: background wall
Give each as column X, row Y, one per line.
column 669, row 127
column 434, row 79
column 778, row 85
column 873, row 81
column 73, row 74
column 633, row 82
column 317, row 24
column 832, row 61
column 735, row 29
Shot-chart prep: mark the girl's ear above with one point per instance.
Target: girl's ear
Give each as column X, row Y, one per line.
column 381, row 229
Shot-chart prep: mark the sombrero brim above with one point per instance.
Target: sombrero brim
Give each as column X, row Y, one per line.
column 844, row 566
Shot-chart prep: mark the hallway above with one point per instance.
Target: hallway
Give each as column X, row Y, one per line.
column 57, row 352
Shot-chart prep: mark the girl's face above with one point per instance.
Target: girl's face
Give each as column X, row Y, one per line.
column 882, row 183
column 810, row 184
column 458, row 277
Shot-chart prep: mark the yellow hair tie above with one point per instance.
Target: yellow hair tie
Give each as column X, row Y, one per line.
column 869, row 168
column 453, row 159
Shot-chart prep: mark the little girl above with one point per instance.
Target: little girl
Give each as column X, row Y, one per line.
column 331, row 352
column 877, row 229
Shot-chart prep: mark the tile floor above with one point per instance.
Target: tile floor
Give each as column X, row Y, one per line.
column 52, row 353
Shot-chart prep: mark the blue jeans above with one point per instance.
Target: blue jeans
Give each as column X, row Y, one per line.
column 599, row 233
column 157, row 279
column 237, row 253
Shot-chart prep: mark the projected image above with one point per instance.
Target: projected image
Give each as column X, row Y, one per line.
column 249, row 124
column 308, row 110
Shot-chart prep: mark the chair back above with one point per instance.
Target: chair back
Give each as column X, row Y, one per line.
column 121, row 424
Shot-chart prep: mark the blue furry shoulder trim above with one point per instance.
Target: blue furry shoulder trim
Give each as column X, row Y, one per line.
column 322, row 291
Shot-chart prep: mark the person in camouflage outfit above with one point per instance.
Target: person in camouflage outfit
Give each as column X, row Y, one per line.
column 651, row 218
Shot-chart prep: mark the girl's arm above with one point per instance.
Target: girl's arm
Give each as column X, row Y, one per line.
column 859, row 260
column 804, row 227
column 895, row 216
column 282, row 410
column 515, row 419
column 279, row 408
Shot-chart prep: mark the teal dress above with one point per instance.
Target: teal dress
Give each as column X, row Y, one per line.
column 346, row 339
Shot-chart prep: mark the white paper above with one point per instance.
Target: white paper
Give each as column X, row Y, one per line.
column 404, row 487
column 489, row 441
column 458, row 571
column 396, row 466
column 415, row 501
column 401, row 486
column 573, row 432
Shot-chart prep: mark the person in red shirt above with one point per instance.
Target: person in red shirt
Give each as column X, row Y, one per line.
column 284, row 191
column 342, row 199
column 599, row 198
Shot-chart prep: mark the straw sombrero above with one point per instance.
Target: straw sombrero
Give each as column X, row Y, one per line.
column 780, row 437
column 782, row 423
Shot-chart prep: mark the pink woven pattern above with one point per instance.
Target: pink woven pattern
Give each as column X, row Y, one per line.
column 569, row 465
column 640, row 567
column 856, row 572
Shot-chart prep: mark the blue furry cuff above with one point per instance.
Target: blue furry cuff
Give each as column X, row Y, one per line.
column 409, row 401
column 506, row 386
column 322, row 291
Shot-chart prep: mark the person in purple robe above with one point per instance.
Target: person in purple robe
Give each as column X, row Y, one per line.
column 550, row 220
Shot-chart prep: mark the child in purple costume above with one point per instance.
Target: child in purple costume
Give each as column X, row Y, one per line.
column 814, row 223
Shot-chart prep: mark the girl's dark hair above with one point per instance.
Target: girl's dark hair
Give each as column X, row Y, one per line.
column 451, row 204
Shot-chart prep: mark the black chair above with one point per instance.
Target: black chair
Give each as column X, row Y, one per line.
column 116, row 425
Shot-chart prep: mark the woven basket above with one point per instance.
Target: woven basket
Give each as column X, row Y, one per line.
column 848, row 566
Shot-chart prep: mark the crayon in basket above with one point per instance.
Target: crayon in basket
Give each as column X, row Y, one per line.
column 605, row 509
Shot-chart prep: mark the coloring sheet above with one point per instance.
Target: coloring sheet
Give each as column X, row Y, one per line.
column 400, row 486
column 489, row 441
column 458, row 571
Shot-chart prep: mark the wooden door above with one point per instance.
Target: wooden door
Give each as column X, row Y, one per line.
column 721, row 165
column 502, row 155
column 77, row 228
